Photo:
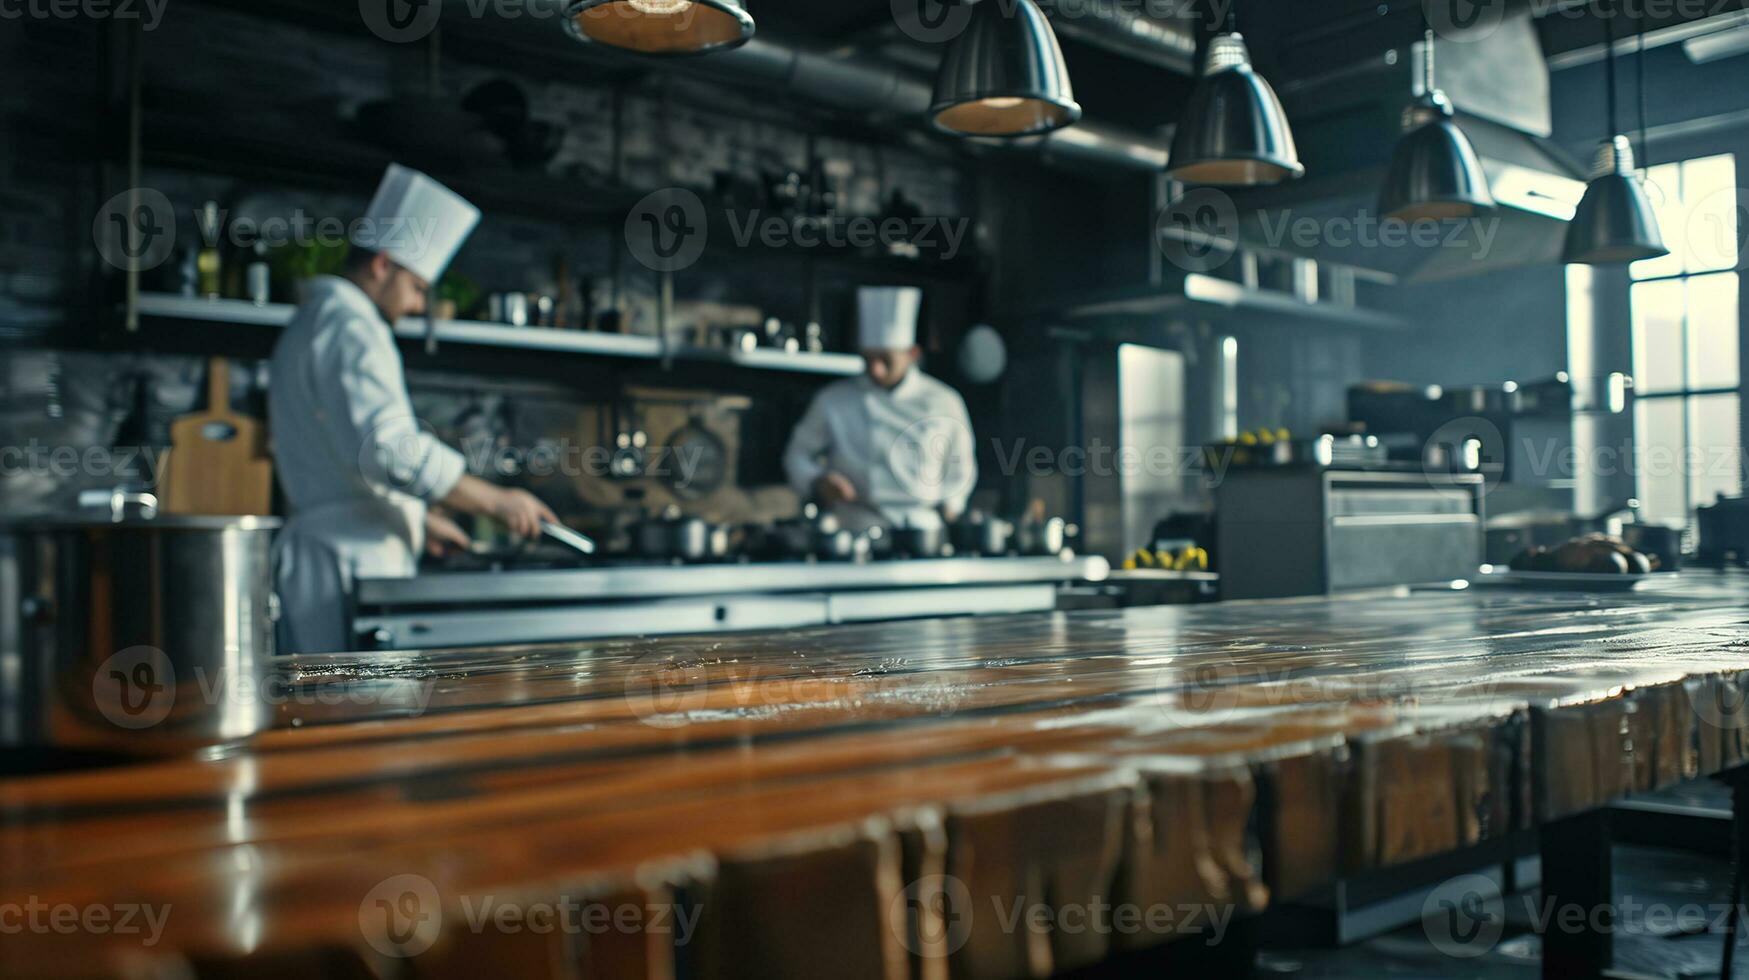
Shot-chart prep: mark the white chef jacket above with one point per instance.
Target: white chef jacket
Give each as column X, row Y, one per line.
column 355, row 463
column 907, row 451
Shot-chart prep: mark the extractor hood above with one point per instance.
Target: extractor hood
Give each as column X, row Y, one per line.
column 1347, row 123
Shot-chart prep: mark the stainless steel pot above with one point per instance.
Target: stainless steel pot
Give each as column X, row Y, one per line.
column 1047, row 537
column 918, row 542
column 135, row 635
column 977, row 533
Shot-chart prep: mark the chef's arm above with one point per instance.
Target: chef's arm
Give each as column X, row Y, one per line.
column 394, row 450
column 371, row 422
column 520, row 510
column 801, row 459
column 961, row 476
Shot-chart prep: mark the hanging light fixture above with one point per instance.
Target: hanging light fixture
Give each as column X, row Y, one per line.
column 1615, row 222
column 661, row 27
column 1004, row 75
column 1234, row 130
column 1434, row 171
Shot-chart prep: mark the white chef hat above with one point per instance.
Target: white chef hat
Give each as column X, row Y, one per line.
column 887, row 317
column 416, row 221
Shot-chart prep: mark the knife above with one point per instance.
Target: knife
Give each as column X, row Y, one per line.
column 567, row 537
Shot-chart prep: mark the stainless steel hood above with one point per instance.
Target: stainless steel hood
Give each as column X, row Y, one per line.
column 1347, row 123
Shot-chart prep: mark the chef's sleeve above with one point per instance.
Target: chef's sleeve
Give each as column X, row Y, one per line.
column 372, row 420
column 810, row 440
column 961, row 476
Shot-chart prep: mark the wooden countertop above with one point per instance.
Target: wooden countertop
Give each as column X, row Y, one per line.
column 868, row 799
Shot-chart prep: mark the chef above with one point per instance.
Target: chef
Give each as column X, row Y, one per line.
column 358, row 470
column 894, row 445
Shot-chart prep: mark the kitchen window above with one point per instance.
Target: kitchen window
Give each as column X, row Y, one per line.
column 1685, row 337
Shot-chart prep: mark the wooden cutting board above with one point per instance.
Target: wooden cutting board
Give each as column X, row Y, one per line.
column 217, row 462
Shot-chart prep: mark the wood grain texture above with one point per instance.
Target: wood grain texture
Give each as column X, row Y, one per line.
column 217, row 462
column 1012, row 796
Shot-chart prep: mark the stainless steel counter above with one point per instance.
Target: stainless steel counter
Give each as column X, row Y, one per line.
column 451, row 609
column 657, row 581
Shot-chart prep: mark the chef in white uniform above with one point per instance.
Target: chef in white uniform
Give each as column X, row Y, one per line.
column 894, row 445
column 357, row 468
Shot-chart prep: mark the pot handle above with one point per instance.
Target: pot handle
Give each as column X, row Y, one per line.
column 118, row 500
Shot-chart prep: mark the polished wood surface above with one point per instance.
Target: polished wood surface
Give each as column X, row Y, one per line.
column 871, row 800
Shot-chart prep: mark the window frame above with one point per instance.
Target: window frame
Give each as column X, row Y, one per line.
column 1685, row 394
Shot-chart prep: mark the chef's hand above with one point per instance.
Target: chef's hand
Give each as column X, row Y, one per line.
column 834, row 488
column 443, row 535
column 522, row 512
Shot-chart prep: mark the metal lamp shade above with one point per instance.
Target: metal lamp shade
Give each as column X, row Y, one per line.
column 660, row 27
column 1234, row 131
column 1004, row 76
column 1615, row 222
column 1435, row 174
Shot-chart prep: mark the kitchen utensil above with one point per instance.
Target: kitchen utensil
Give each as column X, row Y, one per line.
column 674, row 536
column 790, row 539
column 579, row 543
column 135, row 635
column 652, row 538
column 689, row 538
column 917, row 542
column 511, row 308
column 1279, row 448
column 260, row 282
column 217, row 462
column 696, row 461
column 1046, row 537
column 977, row 533
column 841, row 544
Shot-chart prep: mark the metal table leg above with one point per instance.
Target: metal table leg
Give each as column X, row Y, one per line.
column 1576, row 890
column 1739, row 850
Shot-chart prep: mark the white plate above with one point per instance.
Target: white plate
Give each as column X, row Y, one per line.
column 1576, row 581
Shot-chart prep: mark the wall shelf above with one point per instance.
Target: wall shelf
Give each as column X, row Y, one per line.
column 165, row 306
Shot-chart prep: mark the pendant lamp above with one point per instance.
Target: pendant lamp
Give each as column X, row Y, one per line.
column 661, row 27
column 1615, row 222
column 1234, row 131
column 1004, row 75
column 1434, row 171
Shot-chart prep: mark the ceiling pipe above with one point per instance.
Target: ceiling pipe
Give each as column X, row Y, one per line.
column 853, row 82
column 1168, row 43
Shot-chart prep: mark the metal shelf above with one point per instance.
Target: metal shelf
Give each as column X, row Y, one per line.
column 767, row 359
column 507, row 337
